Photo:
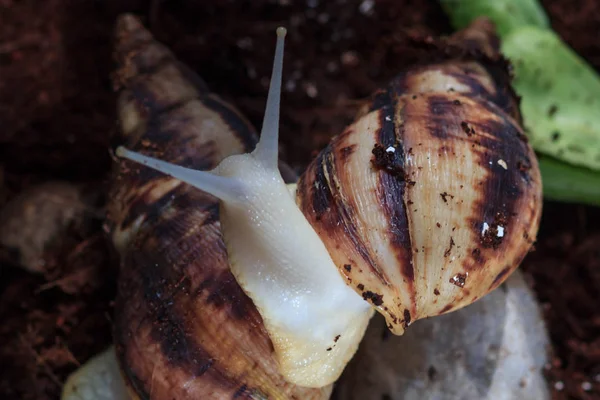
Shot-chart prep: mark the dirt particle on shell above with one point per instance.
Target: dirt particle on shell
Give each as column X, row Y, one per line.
column 476, row 253
column 493, row 234
column 360, row 286
column 445, row 196
column 348, row 267
column 449, row 249
column 438, row 225
column 337, row 338
column 490, row 238
column 436, row 292
column 523, row 166
column 376, row 299
column 467, row 128
column 407, row 318
column 552, row 110
column 388, row 161
column 459, row 280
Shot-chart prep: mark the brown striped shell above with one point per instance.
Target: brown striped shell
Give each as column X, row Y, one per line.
column 184, row 329
column 432, row 197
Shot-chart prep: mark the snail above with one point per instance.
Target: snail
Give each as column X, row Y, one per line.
column 183, row 327
column 253, row 288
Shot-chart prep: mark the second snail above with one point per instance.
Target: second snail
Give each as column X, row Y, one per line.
column 426, row 203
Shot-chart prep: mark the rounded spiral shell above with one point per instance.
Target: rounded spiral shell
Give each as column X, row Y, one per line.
column 432, row 197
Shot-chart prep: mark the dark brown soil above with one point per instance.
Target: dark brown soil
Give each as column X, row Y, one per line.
column 57, row 112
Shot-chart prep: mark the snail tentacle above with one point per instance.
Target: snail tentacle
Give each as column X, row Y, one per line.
column 267, row 148
column 224, row 188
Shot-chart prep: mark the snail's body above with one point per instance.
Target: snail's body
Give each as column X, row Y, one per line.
column 184, row 329
column 406, row 211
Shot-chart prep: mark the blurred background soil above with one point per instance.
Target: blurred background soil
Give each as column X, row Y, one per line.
column 57, row 113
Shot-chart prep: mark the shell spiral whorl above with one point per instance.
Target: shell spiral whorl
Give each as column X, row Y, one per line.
column 433, row 196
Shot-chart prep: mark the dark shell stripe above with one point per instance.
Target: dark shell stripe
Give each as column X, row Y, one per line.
column 470, row 75
column 507, row 192
column 183, row 326
column 174, row 275
column 334, row 211
column 392, row 194
column 514, row 186
column 234, row 119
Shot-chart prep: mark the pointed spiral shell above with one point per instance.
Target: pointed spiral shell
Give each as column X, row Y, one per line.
column 184, row 329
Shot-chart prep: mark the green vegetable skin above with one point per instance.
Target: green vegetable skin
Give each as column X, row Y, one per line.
column 508, row 15
column 560, row 94
column 563, row 182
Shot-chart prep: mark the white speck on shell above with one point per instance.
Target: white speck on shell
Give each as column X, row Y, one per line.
column 500, row 231
column 559, row 385
column 390, row 149
column 502, row 163
column 587, row 386
column 485, row 228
